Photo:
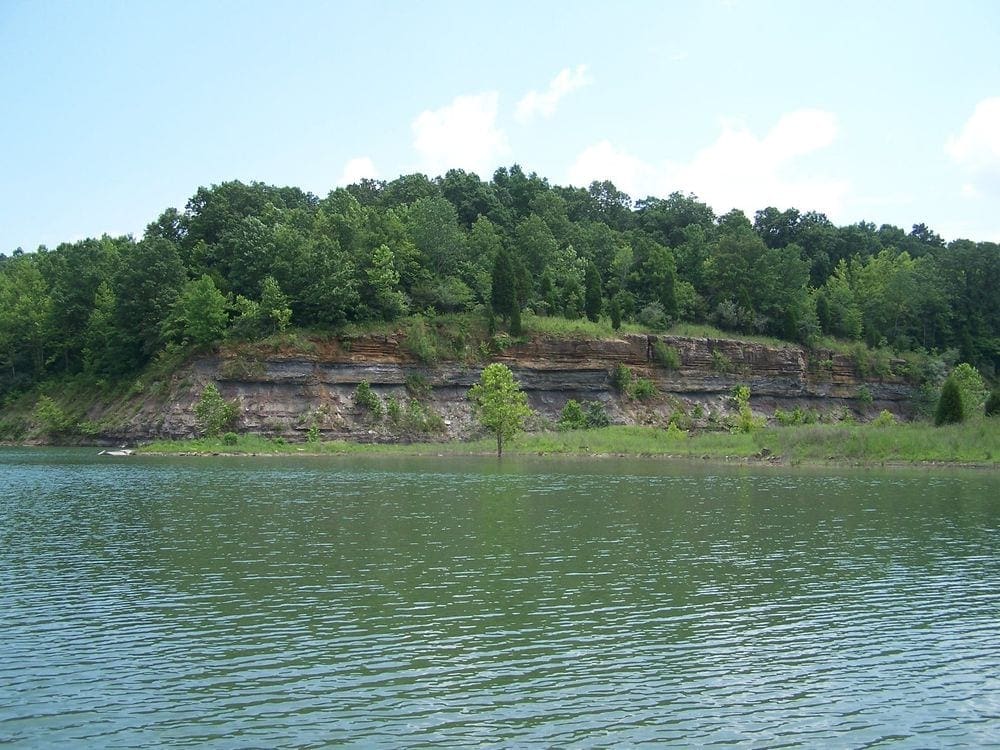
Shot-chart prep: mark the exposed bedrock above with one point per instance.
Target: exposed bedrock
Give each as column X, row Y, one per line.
column 290, row 393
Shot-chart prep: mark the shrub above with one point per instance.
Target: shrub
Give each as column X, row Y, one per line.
column 992, row 407
column 796, row 416
column 213, row 413
column 680, row 420
column 970, row 386
column 89, row 428
column 865, row 395
column 626, row 383
column 417, row 385
column 51, row 417
column 586, row 416
column 721, row 363
column 572, row 417
column 420, row 341
column 597, row 415
column 870, row 362
column 744, row 421
column 949, row 407
column 642, row 389
column 393, row 409
column 241, row 367
column 229, row 438
column 653, row 316
column 422, row 419
column 884, row 419
column 366, row 398
column 666, row 356
column 621, row 378
column 675, row 433
column 313, row 435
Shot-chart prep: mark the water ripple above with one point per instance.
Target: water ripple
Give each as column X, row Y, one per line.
column 417, row 603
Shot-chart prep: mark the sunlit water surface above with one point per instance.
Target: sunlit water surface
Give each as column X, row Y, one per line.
column 459, row 602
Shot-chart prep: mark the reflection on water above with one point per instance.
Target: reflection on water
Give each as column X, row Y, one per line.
column 443, row 603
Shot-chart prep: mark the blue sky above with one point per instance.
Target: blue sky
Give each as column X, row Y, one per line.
column 880, row 111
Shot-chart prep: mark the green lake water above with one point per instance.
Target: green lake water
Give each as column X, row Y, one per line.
column 387, row 602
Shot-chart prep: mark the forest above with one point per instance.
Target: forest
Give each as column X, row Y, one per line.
column 243, row 261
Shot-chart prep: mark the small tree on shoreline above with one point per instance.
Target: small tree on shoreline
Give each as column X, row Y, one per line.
column 499, row 403
column 213, row 413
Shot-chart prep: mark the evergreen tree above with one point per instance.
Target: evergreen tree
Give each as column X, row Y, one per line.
column 515, row 321
column 949, row 408
column 592, row 296
column 504, row 298
column 615, row 311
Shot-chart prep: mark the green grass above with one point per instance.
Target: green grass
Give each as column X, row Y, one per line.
column 453, row 332
column 704, row 331
column 976, row 442
column 256, row 444
column 579, row 328
column 634, row 441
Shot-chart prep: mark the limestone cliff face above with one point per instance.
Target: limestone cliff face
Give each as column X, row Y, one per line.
column 289, row 393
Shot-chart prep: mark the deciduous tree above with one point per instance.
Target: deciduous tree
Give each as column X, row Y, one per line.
column 499, row 403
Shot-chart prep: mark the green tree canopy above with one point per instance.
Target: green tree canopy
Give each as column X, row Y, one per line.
column 200, row 314
column 499, row 403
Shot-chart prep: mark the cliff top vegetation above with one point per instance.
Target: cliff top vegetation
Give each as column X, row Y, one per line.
column 515, row 253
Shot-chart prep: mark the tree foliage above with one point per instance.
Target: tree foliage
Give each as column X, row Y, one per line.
column 971, row 388
column 281, row 257
column 500, row 404
column 212, row 413
column 200, row 315
column 949, row 407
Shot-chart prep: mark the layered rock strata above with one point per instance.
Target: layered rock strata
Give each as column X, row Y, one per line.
column 289, row 394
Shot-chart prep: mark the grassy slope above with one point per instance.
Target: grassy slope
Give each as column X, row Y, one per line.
column 976, row 442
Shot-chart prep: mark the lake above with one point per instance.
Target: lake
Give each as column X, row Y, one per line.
column 439, row 602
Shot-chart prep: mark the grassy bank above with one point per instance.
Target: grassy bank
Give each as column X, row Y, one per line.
column 976, row 443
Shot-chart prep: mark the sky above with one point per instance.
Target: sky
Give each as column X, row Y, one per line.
column 888, row 112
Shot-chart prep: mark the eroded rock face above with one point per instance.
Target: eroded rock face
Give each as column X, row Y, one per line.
column 288, row 394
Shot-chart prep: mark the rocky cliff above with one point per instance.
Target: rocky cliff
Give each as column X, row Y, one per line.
column 290, row 393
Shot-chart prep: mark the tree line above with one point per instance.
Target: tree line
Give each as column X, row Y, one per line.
column 246, row 260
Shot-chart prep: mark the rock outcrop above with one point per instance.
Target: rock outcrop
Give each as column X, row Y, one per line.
column 290, row 393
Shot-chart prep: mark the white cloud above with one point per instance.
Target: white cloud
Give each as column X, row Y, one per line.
column 358, row 169
column 463, row 134
column 977, row 148
column 743, row 171
column 544, row 104
column 738, row 170
column 603, row 161
column 969, row 191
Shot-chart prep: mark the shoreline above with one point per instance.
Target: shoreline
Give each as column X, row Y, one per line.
column 970, row 445
column 776, row 462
